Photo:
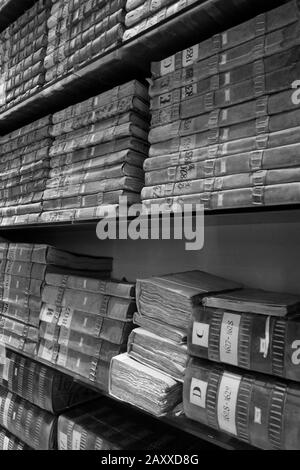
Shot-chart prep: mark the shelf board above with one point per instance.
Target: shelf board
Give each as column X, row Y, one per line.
column 133, row 58
column 180, row 422
column 286, row 214
column 12, row 10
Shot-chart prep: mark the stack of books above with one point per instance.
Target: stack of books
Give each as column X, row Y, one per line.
column 98, row 153
column 23, row 46
column 32, row 396
column 84, row 322
column 225, row 118
column 106, row 425
column 142, row 15
column 157, row 352
column 247, row 330
column 9, row 442
column 23, row 270
column 79, row 31
column 24, row 169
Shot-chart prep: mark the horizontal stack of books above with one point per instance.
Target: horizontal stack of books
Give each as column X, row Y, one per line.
column 106, row 425
column 23, row 49
column 98, row 153
column 142, row 15
column 23, row 271
column 246, row 330
column 79, row 31
column 32, row 396
column 150, row 375
column 85, row 322
column 225, row 118
column 24, row 170
column 9, row 442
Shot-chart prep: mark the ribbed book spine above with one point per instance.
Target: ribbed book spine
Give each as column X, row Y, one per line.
column 254, row 342
column 254, row 408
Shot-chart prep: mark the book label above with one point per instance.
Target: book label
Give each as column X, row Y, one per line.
column 7, row 404
column 296, row 353
column 200, row 334
column 167, row 65
column 5, row 443
column 227, row 402
column 265, row 342
column 76, row 440
column 198, row 392
column 6, row 366
column 48, row 314
column 229, row 337
column 189, row 56
column 257, row 415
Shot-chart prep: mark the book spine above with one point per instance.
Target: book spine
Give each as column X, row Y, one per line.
column 92, row 285
column 255, row 409
column 15, row 416
column 145, row 10
column 63, row 437
column 10, row 442
column 103, row 305
column 23, row 269
column 16, row 284
column 259, row 343
column 99, row 114
column 251, row 30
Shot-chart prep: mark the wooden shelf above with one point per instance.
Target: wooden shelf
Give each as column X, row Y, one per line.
column 242, row 216
column 133, row 58
column 180, row 422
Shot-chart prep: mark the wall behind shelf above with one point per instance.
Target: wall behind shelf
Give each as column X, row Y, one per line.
column 264, row 255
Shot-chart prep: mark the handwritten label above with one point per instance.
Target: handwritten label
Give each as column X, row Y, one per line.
column 227, row 401
column 257, row 415
column 229, row 338
column 6, row 409
column 47, row 314
column 6, row 370
column 190, row 55
column 188, row 143
column 5, row 443
column 223, row 166
column 47, row 353
column 198, row 392
column 76, row 440
column 200, row 334
column 220, row 200
column 167, row 65
column 189, row 90
column 265, row 342
column 224, row 39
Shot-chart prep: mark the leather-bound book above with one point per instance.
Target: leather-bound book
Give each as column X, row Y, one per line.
column 91, row 302
column 252, row 329
column 35, row 427
column 223, row 44
column 107, row 425
column 254, row 408
column 142, row 386
column 45, row 254
column 172, row 298
column 9, row 442
column 44, row 387
column 157, row 352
